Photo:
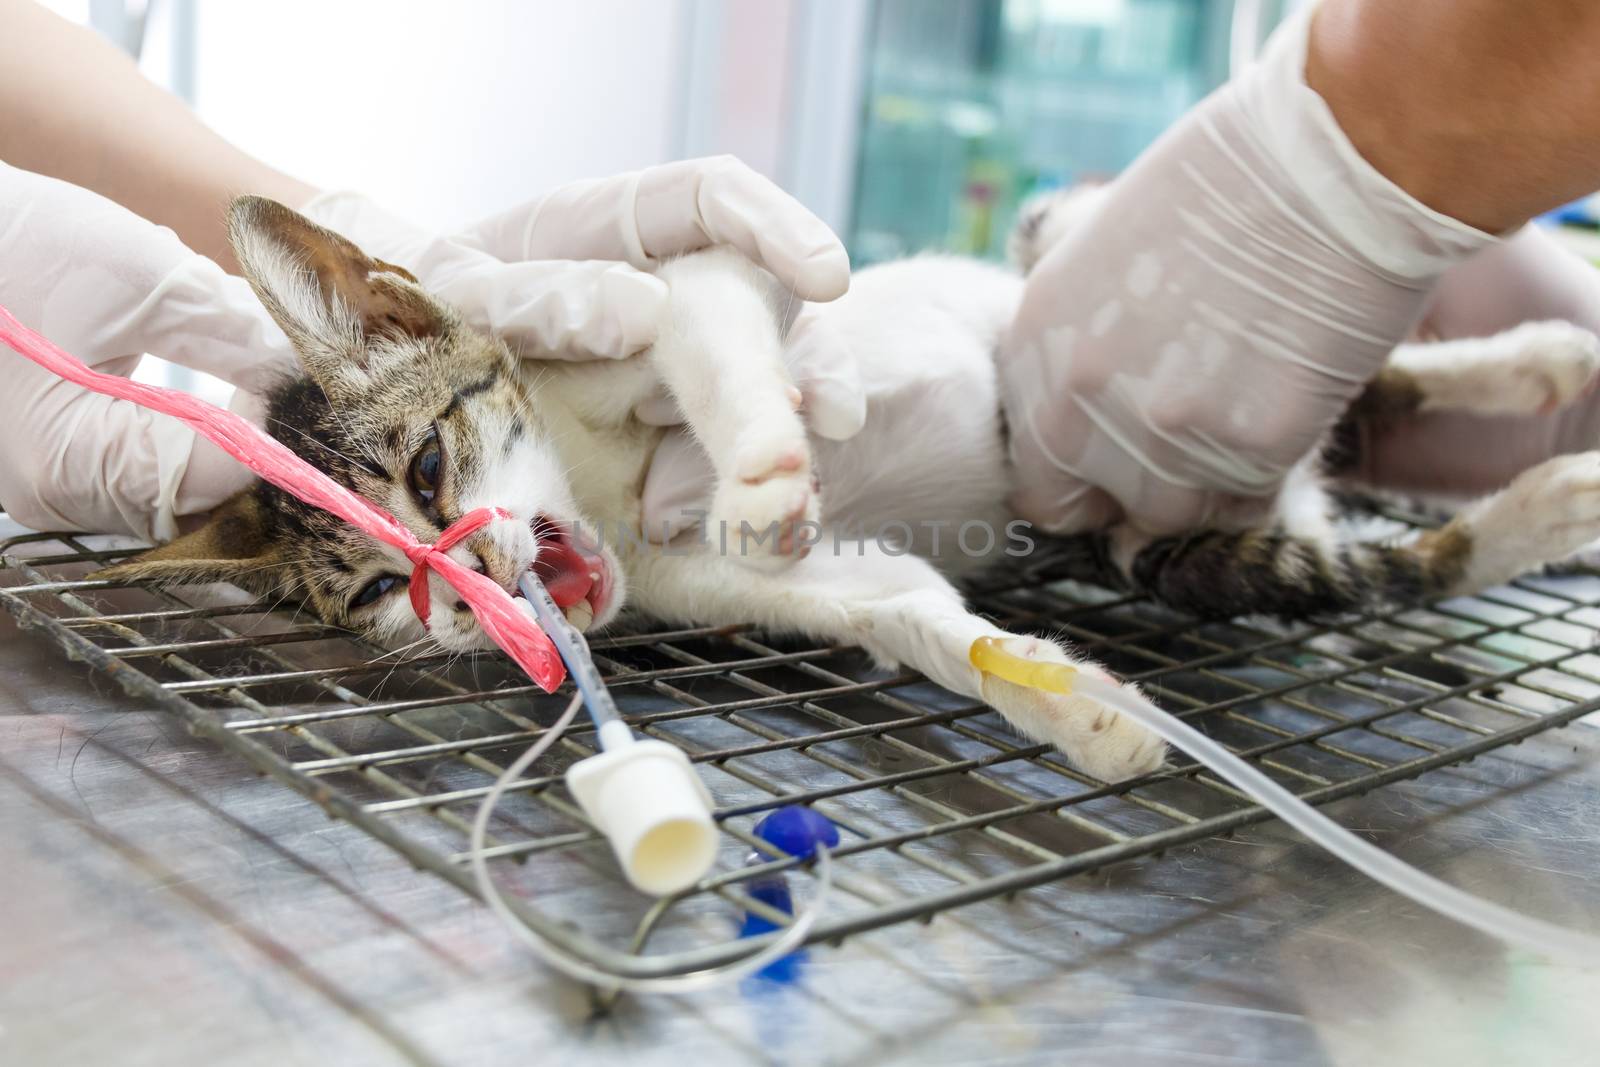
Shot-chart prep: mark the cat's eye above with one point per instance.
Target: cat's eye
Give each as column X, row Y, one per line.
column 424, row 473
column 373, row 590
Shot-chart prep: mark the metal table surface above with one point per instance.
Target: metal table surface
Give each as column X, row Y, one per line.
column 164, row 905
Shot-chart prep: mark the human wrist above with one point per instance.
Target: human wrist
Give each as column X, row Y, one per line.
column 1492, row 130
column 1333, row 186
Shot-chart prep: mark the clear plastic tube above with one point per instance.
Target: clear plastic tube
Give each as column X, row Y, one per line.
column 573, row 648
column 573, row 967
column 1509, row 926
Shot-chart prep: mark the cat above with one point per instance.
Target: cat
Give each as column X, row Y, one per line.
column 405, row 404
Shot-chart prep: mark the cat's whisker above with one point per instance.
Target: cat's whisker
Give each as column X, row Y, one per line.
column 788, row 304
column 408, row 646
column 320, row 444
column 337, row 417
column 524, row 408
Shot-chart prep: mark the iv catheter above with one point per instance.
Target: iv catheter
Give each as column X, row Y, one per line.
column 1509, row 926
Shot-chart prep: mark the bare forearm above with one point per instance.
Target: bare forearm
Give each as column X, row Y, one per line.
column 73, row 107
column 1485, row 110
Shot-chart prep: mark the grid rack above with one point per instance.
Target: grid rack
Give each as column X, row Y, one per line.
column 939, row 805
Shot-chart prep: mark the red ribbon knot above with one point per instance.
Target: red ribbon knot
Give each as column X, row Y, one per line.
column 422, row 555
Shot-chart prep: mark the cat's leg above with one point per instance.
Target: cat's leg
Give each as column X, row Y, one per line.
column 903, row 612
column 720, row 354
column 1535, row 368
column 1300, row 567
column 1548, row 513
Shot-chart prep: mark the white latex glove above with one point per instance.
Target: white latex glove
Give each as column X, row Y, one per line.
column 549, row 308
column 563, row 276
column 108, row 286
column 1185, row 347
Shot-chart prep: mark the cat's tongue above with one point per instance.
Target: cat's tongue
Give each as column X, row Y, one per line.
column 566, row 571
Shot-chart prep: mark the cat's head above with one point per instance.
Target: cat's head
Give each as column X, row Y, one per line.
column 409, row 407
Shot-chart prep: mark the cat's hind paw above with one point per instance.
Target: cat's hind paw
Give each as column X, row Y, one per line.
column 1546, row 514
column 1535, row 369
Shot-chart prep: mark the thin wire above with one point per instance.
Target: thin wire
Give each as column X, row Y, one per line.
column 566, row 963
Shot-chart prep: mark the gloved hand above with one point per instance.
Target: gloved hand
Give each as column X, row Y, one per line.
column 1185, row 347
column 109, row 286
column 562, row 277
column 1530, row 278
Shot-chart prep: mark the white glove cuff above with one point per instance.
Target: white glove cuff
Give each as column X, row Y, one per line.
column 1357, row 207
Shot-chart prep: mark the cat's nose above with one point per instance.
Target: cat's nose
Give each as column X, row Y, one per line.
column 481, row 567
column 500, row 568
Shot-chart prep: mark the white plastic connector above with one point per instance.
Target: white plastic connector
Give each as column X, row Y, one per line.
column 646, row 798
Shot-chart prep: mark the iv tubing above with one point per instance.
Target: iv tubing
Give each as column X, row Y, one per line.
column 1509, row 926
column 573, row 967
column 575, row 651
column 613, row 733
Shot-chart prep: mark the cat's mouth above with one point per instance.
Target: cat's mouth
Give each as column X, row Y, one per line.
column 577, row 576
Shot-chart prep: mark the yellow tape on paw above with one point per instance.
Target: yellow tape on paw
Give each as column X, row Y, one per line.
column 990, row 658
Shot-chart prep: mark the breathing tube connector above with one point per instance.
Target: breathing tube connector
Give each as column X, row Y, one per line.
column 643, row 795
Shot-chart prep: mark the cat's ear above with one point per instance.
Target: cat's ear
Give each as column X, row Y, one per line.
column 233, row 546
column 330, row 297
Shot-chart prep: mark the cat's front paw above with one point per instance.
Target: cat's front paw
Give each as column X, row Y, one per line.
column 766, row 512
column 1099, row 740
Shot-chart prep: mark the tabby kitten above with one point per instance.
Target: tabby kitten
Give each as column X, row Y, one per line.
column 406, row 405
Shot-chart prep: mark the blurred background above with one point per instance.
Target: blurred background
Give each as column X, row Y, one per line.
column 906, row 124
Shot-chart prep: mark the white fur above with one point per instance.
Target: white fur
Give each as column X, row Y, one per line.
column 1534, row 368
column 924, row 330
column 721, row 358
column 1546, row 514
column 931, row 457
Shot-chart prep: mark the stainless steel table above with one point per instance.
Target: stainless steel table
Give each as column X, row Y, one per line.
column 163, row 905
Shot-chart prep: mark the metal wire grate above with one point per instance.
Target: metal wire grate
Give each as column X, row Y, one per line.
column 938, row 803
